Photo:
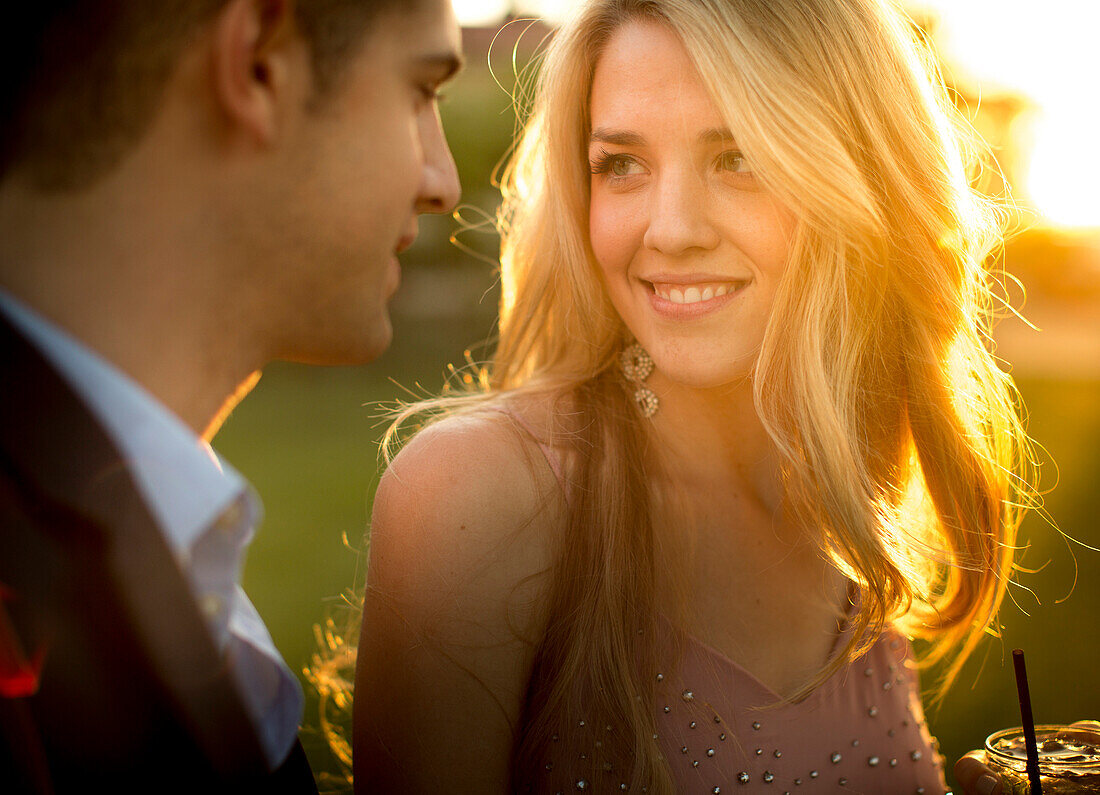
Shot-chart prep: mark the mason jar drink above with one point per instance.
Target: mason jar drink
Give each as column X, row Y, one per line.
column 1069, row 759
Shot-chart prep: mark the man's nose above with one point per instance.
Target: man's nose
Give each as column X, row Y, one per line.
column 439, row 187
column 678, row 214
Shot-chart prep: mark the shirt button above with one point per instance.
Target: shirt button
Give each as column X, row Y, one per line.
column 211, row 605
column 230, row 519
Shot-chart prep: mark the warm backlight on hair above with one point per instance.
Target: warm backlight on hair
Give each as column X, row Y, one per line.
column 1045, row 52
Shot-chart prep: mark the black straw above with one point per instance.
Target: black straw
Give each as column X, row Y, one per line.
column 1029, row 722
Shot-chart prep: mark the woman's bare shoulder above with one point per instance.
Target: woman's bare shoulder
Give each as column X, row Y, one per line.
column 461, row 549
column 472, row 500
column 486, row 459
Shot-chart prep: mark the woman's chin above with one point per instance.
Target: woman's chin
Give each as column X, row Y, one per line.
column 708, row 376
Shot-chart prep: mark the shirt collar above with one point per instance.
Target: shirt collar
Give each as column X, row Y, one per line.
column 184, row 483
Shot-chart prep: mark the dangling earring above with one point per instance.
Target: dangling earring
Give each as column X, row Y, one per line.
column 637, row 365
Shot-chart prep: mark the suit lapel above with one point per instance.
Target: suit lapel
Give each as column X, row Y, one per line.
column 65, row 466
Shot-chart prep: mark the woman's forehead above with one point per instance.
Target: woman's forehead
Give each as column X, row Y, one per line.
column 645, row 76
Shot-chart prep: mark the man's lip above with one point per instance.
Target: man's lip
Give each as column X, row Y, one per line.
column 404, row 242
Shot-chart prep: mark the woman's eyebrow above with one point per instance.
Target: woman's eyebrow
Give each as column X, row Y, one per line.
column 720, row 135
column 717, row 135
column 617, row 137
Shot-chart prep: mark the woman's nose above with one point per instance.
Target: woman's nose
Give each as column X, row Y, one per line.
column 678, row 215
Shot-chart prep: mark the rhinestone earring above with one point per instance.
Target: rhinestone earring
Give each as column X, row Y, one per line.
column 637, row 365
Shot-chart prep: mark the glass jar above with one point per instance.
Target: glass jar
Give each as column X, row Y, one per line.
column 1069, row 759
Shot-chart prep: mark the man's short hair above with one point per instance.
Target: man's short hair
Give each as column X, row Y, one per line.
column 81, row 80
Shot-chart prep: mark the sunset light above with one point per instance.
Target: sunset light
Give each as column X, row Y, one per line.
column 1046, row 54
column 394, row 388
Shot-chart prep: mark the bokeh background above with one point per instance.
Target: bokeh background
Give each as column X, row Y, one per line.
column 1025, row 74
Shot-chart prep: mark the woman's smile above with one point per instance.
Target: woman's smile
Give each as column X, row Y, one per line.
column 684, row 299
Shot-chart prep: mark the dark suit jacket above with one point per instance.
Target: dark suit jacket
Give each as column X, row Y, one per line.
column 131, row 695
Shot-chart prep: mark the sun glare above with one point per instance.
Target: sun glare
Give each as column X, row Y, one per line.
column 1046, row 52
column 488, row 12
column 481, row 13
column 1064, row 178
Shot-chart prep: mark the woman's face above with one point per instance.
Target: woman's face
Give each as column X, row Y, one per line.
column 691, row 246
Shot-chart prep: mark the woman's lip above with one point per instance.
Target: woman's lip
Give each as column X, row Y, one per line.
column 671, row 309
column 404, row 243
column 693, row 278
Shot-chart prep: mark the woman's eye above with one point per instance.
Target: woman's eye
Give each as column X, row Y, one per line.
column 732, row 161
column 615, row 165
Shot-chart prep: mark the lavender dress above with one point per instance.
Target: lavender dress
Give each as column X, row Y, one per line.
column 861, row 731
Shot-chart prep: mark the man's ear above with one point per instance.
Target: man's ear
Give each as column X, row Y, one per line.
column 259, row 63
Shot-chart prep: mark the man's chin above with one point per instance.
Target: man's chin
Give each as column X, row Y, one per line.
column 380, row 344
column 355, row 347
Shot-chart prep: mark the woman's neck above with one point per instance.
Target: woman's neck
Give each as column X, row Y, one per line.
column 712, row 440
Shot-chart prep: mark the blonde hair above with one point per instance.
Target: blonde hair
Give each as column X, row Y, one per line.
column 898, row 434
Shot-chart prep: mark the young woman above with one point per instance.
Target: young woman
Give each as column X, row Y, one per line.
column 741, row 438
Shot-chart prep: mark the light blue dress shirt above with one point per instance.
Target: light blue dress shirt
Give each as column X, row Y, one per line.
column 206, row 510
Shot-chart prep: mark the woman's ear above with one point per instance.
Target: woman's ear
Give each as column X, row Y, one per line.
column 259, row 63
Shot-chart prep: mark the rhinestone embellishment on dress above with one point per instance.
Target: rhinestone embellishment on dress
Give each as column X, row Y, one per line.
column 877, row 697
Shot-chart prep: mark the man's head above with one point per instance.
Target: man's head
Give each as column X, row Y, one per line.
column 82, row 79
column 303, row 132
column 345, row 183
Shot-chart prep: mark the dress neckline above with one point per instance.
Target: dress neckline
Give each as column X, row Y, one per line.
column 840, row 641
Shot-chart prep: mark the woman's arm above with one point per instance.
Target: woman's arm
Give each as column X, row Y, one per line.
column 459, row 551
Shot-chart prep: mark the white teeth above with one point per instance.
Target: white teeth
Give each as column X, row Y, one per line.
column 693, row 294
